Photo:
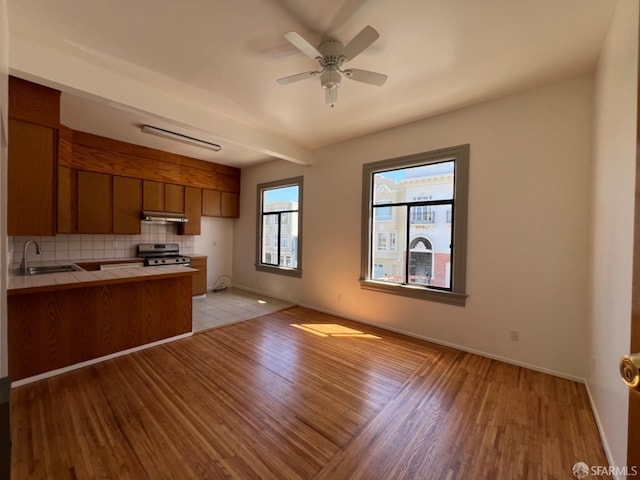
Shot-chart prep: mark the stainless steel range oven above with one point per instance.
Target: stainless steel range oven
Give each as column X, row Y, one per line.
column 158, row 254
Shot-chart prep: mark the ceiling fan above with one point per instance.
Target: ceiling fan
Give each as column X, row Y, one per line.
column 332, row 55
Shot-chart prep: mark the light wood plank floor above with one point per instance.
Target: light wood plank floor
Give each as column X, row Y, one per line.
column 264, row 399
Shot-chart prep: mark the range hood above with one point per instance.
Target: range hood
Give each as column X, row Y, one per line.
column 163, row 218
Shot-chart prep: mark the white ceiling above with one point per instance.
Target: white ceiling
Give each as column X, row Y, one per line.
column 208, row 68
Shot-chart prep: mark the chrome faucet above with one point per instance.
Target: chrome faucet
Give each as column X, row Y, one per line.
column 23, row 265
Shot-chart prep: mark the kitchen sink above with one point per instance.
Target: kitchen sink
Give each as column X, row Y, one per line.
column 52, row 269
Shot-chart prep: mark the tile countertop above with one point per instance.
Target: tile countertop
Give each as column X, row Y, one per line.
column 20, row 284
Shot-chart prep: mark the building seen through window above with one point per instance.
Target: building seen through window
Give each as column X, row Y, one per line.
column 412, row 225
column 279, row 226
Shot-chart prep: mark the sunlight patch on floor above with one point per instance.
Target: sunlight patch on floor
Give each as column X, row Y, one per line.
column 331, row 330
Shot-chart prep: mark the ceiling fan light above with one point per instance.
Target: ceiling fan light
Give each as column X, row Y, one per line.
column 330, row 78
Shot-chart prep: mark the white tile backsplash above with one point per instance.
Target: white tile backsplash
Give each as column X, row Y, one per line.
column 89, row 247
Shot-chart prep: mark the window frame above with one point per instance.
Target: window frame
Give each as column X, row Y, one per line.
column 456, row 295
column 273, row 268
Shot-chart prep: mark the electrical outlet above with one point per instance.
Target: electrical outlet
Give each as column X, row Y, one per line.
column 514, row 336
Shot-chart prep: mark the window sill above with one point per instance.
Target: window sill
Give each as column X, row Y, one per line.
column 451, row 298
column 289, row 272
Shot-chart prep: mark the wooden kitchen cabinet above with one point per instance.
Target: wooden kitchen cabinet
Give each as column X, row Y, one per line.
column 95, row 202
column 32, row 173
column 199, row 283
column 61, row 326
column 163, row 197
column 127, row 205
column 230, row 205
column 67, row 200
column 193, row 210
column 211, row 203
column 153, row 196
column 174, row 200
column 220, row 204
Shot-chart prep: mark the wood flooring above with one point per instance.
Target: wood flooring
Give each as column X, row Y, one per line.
column 302, row 395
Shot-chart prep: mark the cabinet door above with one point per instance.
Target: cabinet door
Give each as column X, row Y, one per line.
column 230, row 205
column 31, row 179
column 67, row 200
column 174, row 198
column 153, row 196
column 193, row 208
column 127, row 205
column 95, row 202
column 199, row 282
column 211, row 203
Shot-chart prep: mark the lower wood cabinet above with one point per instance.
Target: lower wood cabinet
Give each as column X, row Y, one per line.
column 55, row 329
column 199, row 285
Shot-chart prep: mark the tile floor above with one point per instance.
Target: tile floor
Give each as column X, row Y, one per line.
column 230, row 306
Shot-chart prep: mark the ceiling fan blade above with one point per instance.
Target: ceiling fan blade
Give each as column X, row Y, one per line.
column 296, row 78
column 366, row 37
column 331, row 96
column 302, row 45
column 365, row 76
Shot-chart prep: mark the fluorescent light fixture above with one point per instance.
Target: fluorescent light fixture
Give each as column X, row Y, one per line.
column 161, row 132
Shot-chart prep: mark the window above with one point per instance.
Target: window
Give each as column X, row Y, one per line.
column 279, row 227
column 426, row 256
column 383, row 213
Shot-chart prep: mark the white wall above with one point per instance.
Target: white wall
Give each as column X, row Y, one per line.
column 4, row 69
column 612, row 225
column 216, row 242
column 528, row 228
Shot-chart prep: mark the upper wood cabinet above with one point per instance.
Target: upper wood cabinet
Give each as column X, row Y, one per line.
column 34, row 119
column 220, row 204
column 174, row 198
column 95, row 202
column 153, row 196
column 31, row 178
column 193, row 208
column 62, row 180
column 34, row 103
column 127, row 205
column 230, row 205
column 67, row 200
column 211, row 203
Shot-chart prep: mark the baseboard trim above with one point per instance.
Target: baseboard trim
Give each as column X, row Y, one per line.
column 463, row 348
column 53, row 373
column 603, row 436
